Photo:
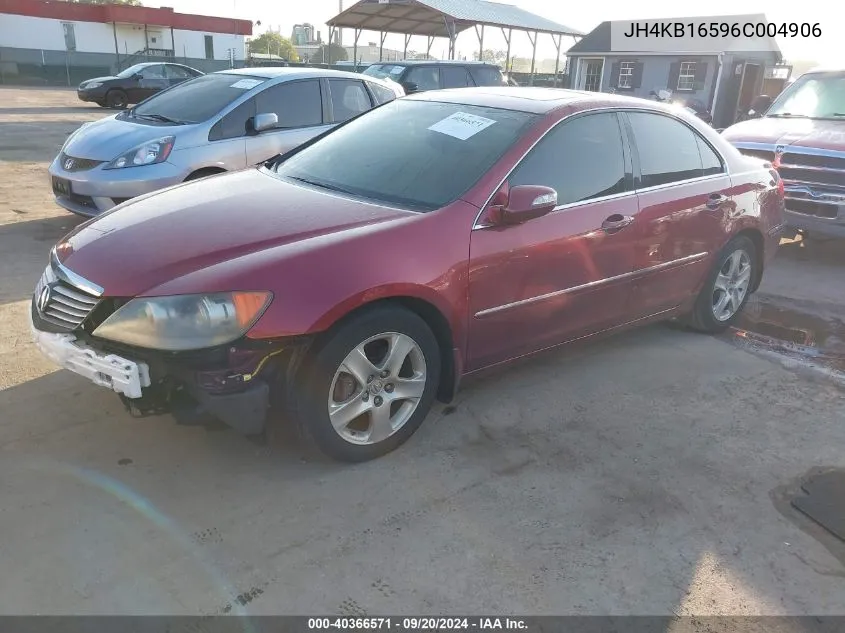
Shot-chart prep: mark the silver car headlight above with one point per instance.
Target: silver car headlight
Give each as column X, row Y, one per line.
column 148, row 153
column 185, row 322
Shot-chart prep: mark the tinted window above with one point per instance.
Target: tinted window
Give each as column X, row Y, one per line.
column 393, row 155
column 383, row 95
column 199, row 99
column 580, row 159
column 349, row 98
column 667, row 148
column 233, row 124
column 384, row 71
column 177, row 72
column 153, row 72
column 296, row 103
column 455, row 77
column 710, row 161
column 426, row 77
column 487, row 75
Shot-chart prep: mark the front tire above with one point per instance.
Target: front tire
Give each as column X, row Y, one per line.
column 369, row 386
column 117, row 99
column 727, row 288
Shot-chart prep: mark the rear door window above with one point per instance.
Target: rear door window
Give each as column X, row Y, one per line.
column 668, row 150
column 296, row 103
column 486, row 75
column 349, row 98
column 455, row 77
column 382, row 94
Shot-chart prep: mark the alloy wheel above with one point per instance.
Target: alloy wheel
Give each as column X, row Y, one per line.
column 377, row 388
column 731, row 285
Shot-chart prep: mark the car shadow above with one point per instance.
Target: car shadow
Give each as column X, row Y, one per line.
column 26, row 246
column 16, row 138
column 81, row 109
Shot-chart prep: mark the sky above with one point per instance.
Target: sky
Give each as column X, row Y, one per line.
column 283, row 14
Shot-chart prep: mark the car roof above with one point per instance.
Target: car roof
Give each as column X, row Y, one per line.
column 535, row 100
column 290, row 72
column 432, row 62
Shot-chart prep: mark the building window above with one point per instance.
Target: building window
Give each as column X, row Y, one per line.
column 70, row 36
column 686, row 78
column 592, row 75
column 626, row 75
column 209, row 47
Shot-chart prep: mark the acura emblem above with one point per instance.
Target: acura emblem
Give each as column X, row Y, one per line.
column 69, row 164
column 43, row 299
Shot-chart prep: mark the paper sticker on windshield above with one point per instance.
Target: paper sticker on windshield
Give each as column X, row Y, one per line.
column 462, row 125
column 396, row 70
column 246, row 84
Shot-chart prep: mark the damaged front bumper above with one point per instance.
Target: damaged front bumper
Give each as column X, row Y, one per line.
column 231, row 383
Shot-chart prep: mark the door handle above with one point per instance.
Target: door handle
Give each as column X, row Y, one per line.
column 616, row 222
column 716, row 200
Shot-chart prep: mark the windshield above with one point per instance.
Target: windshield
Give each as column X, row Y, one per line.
column 131, row 71
column 197, row 99
column 815, row 96
column 417, row 154
column 384, row 71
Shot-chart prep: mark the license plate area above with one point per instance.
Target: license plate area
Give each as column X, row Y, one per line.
column 61, row 187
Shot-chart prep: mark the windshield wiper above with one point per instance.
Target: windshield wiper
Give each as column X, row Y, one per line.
column 322, row 185
column 788, row 115
column 160, row 117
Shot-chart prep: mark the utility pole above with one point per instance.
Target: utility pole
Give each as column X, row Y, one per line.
column 339, row 30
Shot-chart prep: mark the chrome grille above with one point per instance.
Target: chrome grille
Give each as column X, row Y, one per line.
column 62, row 303
column 72, row 163
column 814, row 180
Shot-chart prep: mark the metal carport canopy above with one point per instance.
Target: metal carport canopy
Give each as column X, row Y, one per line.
column 447, row 18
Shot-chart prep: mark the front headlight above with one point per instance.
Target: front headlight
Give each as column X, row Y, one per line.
column 148, row 153
column 91, row 86
column 185, row 322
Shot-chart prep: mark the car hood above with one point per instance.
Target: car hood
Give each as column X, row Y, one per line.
column 100, row 79
column 163, row 236
column 821, row 134
column 108, row 138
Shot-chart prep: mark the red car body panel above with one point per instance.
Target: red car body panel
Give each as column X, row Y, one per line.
column 504, row 291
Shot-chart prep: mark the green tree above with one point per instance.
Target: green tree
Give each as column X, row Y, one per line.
column 329, row 54
column 490, row 55
column 272, row 43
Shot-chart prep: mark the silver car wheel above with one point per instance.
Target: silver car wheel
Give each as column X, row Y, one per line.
column 731, row 285
column 377, row 388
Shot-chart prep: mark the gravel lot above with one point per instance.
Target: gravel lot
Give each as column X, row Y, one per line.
column 641, row 475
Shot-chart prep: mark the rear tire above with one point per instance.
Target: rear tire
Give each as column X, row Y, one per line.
column 368, row 387
column 117, row 99
column 727, row 288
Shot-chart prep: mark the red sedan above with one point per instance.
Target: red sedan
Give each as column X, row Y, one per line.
column 348, row 284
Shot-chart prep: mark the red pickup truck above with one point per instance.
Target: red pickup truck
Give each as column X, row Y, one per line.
column 803, row 135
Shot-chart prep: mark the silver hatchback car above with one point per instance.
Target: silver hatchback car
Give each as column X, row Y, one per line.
column 219, row 122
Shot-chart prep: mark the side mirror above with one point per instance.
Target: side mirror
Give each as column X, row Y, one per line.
column 527, row 202
column 264, row 121
column 138, row 76
column 409, row 86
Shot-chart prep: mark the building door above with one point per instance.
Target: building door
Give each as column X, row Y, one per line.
column 750, row 86
column 590, row 76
